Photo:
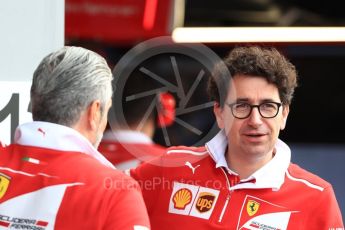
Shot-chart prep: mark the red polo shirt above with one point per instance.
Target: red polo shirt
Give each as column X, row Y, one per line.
column 193, row 188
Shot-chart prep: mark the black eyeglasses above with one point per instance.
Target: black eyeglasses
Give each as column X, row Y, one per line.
column 242, row 110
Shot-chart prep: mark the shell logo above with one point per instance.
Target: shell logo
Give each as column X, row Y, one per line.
column 182, row 198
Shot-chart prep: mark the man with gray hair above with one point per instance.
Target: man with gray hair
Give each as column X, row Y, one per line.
column 53, row 177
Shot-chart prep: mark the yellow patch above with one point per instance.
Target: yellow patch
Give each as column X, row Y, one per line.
column 252, row 207
column 4, row 182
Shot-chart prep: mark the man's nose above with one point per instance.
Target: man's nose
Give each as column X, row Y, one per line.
column 255, row 119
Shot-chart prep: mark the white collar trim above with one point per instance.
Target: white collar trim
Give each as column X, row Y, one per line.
column 217, row 147
column 127, row 136
column 55, row 136
column 271, row 175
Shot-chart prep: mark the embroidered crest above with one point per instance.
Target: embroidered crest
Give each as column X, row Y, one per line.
column 4, row 183
column 252, row 207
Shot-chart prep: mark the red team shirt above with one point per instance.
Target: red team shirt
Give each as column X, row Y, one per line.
column 193, row 188
column 127, row 149
column 53, row 178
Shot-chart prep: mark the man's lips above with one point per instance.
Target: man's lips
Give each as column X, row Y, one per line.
column 254, row 137
column 255, row 134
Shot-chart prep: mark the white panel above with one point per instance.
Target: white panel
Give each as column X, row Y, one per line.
column 17, row 108
column 29, row 31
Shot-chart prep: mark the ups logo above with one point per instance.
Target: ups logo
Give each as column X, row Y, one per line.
column 205, row 202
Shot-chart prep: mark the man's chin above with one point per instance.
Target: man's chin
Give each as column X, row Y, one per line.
column 256, row 149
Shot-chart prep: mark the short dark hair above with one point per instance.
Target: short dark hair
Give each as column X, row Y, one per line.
column 255, row 61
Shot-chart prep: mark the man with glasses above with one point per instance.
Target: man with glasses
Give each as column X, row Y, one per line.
column 242, row 178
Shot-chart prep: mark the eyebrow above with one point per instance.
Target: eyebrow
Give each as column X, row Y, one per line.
column 244, row 99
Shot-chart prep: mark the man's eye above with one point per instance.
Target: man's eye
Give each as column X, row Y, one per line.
column 269, row 106
column 241, row 106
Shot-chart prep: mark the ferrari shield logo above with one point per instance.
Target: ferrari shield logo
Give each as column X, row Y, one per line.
column 4, row 182
column 252, row 207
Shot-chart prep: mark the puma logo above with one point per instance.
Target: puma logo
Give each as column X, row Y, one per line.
column 42, row 131
column 191, row 166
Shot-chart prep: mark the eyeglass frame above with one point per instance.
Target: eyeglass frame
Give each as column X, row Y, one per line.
column 254, row 106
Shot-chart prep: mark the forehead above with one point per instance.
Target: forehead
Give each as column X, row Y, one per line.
column 252, row 88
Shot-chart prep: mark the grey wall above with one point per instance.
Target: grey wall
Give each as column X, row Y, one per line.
column 326, row 161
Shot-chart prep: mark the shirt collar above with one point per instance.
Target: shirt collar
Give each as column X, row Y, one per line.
column 271, row 175
column 127, row 136
column 55, row 136
column 217, row 147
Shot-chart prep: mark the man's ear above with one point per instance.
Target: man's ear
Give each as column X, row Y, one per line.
column 285, row 113
column 218, row 112
column 94, row 114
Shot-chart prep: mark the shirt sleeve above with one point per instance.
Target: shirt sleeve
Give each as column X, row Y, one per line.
column 326, row 213
column 127, row 211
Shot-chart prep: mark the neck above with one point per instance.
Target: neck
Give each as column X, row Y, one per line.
column 148, row 128
column 83, row 127
column 246, row 164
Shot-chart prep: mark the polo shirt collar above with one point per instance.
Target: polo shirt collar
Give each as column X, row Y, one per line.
column 271, row 175
column 54, row 136
column 127, row 136
column 217, row 148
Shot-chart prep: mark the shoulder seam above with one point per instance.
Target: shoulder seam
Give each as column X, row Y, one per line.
column 172, row 151
column 309, row 184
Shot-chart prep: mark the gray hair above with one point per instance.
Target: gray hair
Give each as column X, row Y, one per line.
column 66, row 82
